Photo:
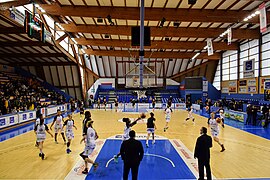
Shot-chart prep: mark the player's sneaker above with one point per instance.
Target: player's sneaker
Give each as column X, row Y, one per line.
column 164, row 129
column 187, row 119
column 68, row 151
column 95, row 166
column 193, row 119
column 115, row 158
column 147, row 145
column 153, row 142
column 56, row 142
column 42, row 156
column 223, row 149
column 85, row 171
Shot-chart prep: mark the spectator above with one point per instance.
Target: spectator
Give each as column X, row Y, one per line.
column 249, row 114
column 254, row 115
column 132, row 154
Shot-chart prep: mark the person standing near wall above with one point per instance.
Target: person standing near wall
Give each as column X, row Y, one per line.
column 132, row 154
column 249, row 114
column 202, row 153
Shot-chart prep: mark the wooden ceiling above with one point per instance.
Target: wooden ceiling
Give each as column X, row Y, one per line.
column 16, row 48
column 175, row 45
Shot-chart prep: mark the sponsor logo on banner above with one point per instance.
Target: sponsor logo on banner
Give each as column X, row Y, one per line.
column 182, row 87
column 30, row 115
column 24, row 116
column 205, row 86
column 248, row 68
column 267, row 85
column 2, row 122
column 242, row 82
column 210, row 47
column 252, row 89
column 232, row 83
column 229, row 35
column 263, row 19
column 11, row 120
column 232, row 89
column 242, row 89
column 225, row 90
column 251, row 82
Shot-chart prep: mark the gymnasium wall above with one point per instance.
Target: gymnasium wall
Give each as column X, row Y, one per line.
column 231, row 79
column 64, row 77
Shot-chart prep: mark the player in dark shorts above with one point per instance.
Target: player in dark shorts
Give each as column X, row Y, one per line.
column 151, row 128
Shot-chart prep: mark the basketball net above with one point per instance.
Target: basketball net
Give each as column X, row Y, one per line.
column 141, row 94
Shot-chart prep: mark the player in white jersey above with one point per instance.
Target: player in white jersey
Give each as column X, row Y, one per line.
column 40, row 131
column 222, row 116
column 190, row 114
column 90, row 144
column 38, row 123
column 214, row 128
column 69, row 130
column 168, row 111
column 58, row 120
column 127, row 129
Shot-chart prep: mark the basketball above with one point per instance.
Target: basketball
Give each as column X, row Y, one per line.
column 142, row 115
column 206, row 108
column 218, row 120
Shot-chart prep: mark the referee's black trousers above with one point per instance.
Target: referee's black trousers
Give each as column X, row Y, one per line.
column 134, row 170
column 204, row 163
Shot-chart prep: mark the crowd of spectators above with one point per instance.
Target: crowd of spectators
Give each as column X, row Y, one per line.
column 21, row 94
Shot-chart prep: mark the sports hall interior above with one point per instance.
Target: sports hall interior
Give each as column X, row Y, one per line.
column 88, row 54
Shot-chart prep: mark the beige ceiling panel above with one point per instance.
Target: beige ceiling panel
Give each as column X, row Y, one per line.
column 195, row 24
column 18, row 37
column 184, row 4
column 64, row 2
column 7, row 37
column 97, row 36
column 121, row 22
column 199, row 4
column 89, row 20
column 105, row 2
column 183, row 39
column 158, row 38
column 159, row 3
column 172, row 4
column 91, row 2
column 175, row 39
column 192, row 39
column 5, row 24
column 239, row 5
column 39, row 49
column 214, row 25
column 132, row 22
column 253, row 5
column 226, row 4
column 118, row 3
column 225, row 25
column 114, row 36
column 184, row 24
column 203, row 25
column 213, row 4
column 77, row 20
column 78, row 2
column 132, row 3
column 153, row 23
column 200, row 39
column 88, row 35
column 123, row 37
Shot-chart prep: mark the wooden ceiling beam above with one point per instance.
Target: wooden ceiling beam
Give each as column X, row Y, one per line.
column 164, row 32
column 157, row 44
column 151, row 14
column 23, row 43
column 31, row 55
column 68, row 63
column 176, row 55
column 12, row 30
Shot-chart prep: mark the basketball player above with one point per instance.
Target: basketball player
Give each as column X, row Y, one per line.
column 153, row 104
column 40, row 131
column 104, row 103
column 58, row 119
column 69, row 131
column 151, row 128
column 168, row 111
column 127, row 129
column 90, row 144
column 81, row 111
column 40, row 116
column 87, row 117
column 116, row 104
column 222, row 116
column 190, row 116
column 213, row 124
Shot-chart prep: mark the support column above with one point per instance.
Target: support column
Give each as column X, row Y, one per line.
column 141, row 53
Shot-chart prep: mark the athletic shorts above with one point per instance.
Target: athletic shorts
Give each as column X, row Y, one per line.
column 58, row 127
column 69, row 134
column 150, row 130
column 89, row 149
column 214, row 133
column 168, row 119
column 41, row 137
